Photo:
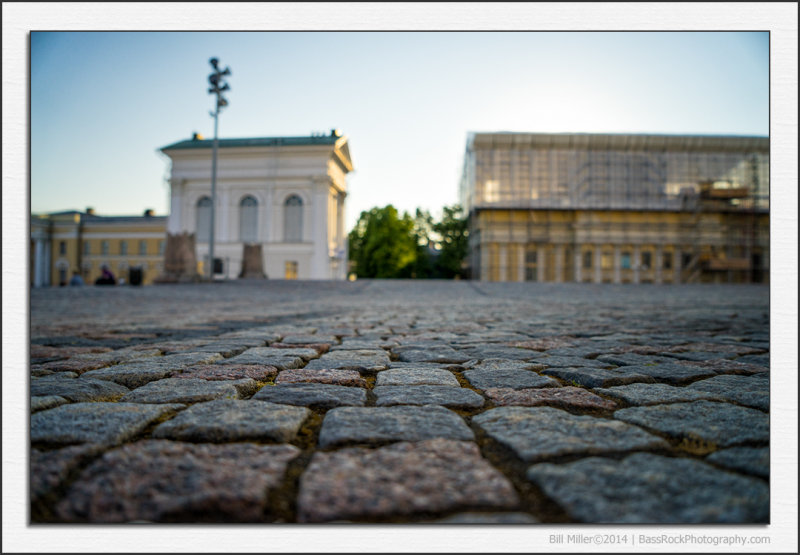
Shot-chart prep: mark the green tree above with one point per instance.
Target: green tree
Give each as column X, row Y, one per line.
column 453, row 235
column 383, row 244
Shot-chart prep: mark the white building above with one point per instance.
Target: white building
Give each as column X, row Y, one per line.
column 286, row 194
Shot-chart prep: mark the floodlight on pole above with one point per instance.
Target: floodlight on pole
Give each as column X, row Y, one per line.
column 217, row 87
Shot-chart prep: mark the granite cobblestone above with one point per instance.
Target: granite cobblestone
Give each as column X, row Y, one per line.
column 400, row 401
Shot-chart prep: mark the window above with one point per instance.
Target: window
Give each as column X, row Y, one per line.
column 62, row 247
column 142, row 247
column 291, row 270
column 293, row 220
column 587, row 259
column 87, row 249
column 104, row 247
column 161, row 246
column 667, row 260
column 248, row 220
column 531, row 273
column 625, row 261
column 123, row 247
column 203, row 228
column 647, row 260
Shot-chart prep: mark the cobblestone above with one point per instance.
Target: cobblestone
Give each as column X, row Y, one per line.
column 400, row 402
column 648, row 489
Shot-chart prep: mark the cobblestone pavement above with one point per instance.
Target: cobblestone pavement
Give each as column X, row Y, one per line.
column 392, row 401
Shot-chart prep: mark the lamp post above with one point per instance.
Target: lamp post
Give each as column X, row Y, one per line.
column 217, row 87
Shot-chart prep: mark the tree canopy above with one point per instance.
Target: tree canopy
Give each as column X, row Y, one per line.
column 385, row 244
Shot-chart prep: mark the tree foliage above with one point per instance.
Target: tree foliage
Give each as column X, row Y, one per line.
column 384, row 244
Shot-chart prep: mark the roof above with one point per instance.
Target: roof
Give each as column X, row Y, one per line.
column 619, row 141
column 254, row 142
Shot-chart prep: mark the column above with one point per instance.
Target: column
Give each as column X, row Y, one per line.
column 637, row 262
column 676, row 265
column 38, row 264
column 559, row 255
column 617, row 265
column 598, row 266
column 485, row 260
column 541, row 263
column 502, row 262
column 319, row 212
column 659, row 262
column 520, row 262
column 578, row 264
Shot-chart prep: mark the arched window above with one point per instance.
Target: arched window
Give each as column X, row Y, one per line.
column 293, row 220
column 248, row 220
column 203, row 230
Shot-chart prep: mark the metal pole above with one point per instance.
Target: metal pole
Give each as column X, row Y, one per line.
column 213, row 197
column 217, row 87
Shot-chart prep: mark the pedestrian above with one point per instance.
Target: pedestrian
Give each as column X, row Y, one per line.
column 76, row 280
column 107, row 278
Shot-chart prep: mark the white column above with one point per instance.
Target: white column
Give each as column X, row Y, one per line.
column 503, row 261
column 559, row 263
column 637, row 262
column 541, row 260
column 226, row 234
column 485, row 253
column 47, row 262
column 319, row 212
column 617, row 265
column 598, row 266
column 38, row 264
column 520, row 262
column 659, row 262
column 578, row 264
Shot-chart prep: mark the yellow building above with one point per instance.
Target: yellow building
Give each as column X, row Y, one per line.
column 617, row 208
column 63, row 243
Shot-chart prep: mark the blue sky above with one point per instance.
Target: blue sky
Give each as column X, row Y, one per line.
column 102, row 103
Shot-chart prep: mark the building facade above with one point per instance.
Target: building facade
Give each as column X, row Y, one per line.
column 283, row 195
column 66, row 242
column 617, row 208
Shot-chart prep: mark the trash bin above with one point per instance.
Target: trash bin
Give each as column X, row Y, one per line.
column 135, row 276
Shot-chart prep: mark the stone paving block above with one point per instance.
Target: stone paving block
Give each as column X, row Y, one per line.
column 632, row 359
column 45, row 402
column 191, row 390
column 359, row 359
column 724, row 366
column 481, row 352
column 416, row 376
column 670, row 372
column 324, row 396
column 363, row 344
column 227, row 420
column 226, row 349
column 598, row 377
column 304, row 339
column 382, row 424
column 76, row 365
column 761, row 360
column 336, row 376
column 77, row 389
column 320, row 348
column 750, row 460
column 514, row 378
column 740, row 389
column 101, row 423
column 430, row 354
column 541, row 432
column 650, row 489
column 403, row 479
column 165, row 481
column 544, row 343
column 562, row 397
column 281, row 359
column 717, row 424
column 121, row 356
column 489, row 518
column 697, row 355
column 137, row 374
column 49, row 469
column 550, row 361
column 445, row 395
column 711, row 347
column 222, row 371
column 655, row 394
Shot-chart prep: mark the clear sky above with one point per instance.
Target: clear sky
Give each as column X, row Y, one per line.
column 102, row 103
